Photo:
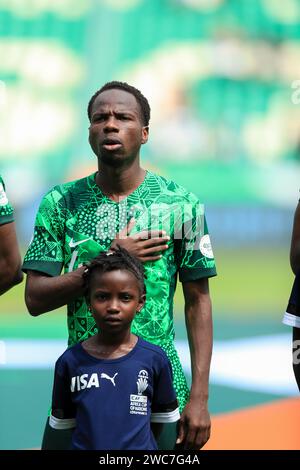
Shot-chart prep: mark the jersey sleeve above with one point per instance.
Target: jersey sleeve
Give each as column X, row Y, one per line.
column 63, row 411
column 292, row 314
column 46, row 251
column 164, row 406
column 6, row 210
column 193, row 249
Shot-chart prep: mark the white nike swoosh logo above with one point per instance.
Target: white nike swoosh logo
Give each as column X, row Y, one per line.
column 72, row 244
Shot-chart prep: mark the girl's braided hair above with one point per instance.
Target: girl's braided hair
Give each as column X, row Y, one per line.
column 111, row 261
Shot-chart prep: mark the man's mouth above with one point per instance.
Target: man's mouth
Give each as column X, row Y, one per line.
column 111, row 144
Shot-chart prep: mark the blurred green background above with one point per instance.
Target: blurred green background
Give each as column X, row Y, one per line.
column 222, row 78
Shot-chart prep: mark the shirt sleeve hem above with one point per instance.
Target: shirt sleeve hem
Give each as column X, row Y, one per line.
column 194, row 274
column 6, row 219
column 168, row 417
column 52, row 268
column 57, row 423
column 291, row 320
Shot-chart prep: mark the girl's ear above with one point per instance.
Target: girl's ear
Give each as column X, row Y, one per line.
column 142, row 301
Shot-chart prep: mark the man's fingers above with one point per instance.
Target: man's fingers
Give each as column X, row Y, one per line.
column 180, row 433
column 201, row 438
column 190, row 439
column 147, row 234
column 143, row 259
column 153, row 249
column 155, row 242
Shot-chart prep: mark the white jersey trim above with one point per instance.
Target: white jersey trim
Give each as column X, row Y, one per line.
column 58, row 423
column 291, row 320
column 169, row 417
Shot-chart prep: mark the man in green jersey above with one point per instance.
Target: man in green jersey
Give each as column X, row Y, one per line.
column 10, row 260
column 122, row 203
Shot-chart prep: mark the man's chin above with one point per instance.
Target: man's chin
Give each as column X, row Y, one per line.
column 114, row 160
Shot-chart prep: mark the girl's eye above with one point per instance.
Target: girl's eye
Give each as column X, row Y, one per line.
column 126, row 297
column 101, row 296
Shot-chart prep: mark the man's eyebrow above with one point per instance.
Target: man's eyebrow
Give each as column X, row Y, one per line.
column 116, row 111
column 123, row 113
column 99, row 112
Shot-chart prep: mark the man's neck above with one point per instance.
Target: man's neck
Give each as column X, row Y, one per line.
column 117, row 183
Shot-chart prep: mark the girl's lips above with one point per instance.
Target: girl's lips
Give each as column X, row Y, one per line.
column 112, row 319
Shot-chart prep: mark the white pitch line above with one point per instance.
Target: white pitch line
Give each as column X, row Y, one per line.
column 260, row 363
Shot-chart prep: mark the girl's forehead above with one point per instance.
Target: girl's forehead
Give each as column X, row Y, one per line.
column 115, row 276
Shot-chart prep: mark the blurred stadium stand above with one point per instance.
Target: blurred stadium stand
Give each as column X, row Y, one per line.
column 220, row 76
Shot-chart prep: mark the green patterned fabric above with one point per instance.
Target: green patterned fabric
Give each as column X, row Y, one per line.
column 6, row 210
column 76, row 221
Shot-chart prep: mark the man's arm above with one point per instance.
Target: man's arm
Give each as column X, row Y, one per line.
column 194, row 427
column 10, row 260
column 295, row 243
column 44, row 293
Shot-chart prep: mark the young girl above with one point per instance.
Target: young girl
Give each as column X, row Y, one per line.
column 110, row 387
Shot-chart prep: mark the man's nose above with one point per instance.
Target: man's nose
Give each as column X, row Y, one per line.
column 111, row 124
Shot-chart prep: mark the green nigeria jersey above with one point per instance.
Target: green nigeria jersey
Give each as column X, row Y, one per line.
column 76, row 221
column 6, row 211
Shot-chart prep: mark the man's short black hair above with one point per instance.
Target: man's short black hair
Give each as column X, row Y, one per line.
column 141, row 99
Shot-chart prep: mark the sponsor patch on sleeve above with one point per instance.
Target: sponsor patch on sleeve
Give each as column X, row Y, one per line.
column 205, row 246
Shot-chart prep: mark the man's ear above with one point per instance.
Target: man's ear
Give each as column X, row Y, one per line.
column 145, row 134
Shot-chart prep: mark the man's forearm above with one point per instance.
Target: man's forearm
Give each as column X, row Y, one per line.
column 194, row 424
column 199, row 330
column 44, row 293
column 10, row 259
column 295, row 257
column 10, row 275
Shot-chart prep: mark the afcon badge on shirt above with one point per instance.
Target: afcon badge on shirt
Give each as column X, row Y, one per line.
column 138, row 403
column 3, row 197
column 142, row 382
